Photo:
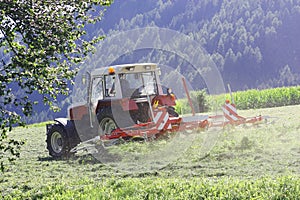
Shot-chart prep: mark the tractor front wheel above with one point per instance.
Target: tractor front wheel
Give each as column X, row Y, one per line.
column 57, row 142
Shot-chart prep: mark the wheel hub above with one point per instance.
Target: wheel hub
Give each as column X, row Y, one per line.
column 107, row 125
column 56, row 142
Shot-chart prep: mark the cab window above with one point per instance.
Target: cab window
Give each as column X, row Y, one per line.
column 109, row 85
column 97, row 89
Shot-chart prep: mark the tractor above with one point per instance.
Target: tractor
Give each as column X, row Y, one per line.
column 123, row 101
column 128, row 103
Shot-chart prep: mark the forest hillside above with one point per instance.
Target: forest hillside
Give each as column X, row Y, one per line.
column 254, row 43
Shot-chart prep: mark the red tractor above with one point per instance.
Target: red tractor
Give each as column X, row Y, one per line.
column 122, row 101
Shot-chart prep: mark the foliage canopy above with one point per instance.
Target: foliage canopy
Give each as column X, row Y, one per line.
column 40, row 42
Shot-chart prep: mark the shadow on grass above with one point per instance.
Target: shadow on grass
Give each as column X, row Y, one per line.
column 81, row 159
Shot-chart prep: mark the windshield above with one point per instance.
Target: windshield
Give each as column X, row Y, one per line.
column 140, row 84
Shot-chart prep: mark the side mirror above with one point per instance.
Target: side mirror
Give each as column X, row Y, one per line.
column 83, row 79
column 159, row 72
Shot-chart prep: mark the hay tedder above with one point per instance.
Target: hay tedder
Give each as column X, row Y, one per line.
column 128, row 102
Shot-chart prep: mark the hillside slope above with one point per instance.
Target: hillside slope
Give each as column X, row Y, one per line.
column 253, row 43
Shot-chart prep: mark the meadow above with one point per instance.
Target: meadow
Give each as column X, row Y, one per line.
column 258, row 162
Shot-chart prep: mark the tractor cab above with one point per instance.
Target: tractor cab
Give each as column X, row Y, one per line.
column 123, row 95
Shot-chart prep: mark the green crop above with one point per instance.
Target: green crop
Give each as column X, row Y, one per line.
column 250, row 99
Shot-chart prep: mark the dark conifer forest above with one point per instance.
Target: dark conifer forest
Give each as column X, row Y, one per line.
column 254, row 43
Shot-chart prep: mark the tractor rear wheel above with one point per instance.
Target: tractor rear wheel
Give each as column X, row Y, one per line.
column 57, row 142
column 106, row 125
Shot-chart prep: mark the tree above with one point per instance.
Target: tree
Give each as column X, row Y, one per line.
column 40, row 42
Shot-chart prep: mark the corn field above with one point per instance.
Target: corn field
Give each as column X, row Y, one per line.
column 250, row 99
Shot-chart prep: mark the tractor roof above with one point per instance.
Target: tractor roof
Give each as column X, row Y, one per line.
column 125, row 68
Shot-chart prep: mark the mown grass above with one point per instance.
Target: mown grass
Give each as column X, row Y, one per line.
column 244, row 162
column 172, row 188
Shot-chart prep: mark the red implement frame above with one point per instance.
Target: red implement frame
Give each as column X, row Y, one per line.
column 230, row 117
column 161, row 124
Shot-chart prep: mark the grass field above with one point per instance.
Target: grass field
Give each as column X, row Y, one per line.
column 260, row 162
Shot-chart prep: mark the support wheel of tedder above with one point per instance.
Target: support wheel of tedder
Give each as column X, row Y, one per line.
column 57, row 142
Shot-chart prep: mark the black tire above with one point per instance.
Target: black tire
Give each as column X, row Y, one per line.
column 172, row 112
column 106, row 122
column 141, row 115
column 121, row 119
column 106, row 125
column 58, row 142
